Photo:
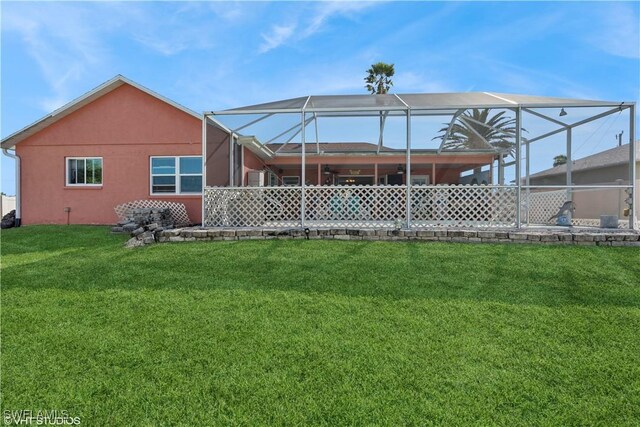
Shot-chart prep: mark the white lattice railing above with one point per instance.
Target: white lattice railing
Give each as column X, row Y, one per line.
column 355, row 206
column 463, row 205
column 360, row 206
column 590, row 203
column 252, row 206
column 542, row 205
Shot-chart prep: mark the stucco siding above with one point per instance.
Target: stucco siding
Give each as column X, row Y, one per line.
column 125, row 127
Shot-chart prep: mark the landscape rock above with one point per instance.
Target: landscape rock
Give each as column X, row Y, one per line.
column 9, row 220
column 133, row 243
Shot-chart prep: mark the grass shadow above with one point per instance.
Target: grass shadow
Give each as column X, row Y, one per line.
column 78, row 258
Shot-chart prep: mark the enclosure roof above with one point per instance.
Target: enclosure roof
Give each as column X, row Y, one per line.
column 413, row 101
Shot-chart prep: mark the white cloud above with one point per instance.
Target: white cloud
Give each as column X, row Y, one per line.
column 60, row 41
column 533, row 81
column 618, row 31
column 278, row 35
column 311, row 22
column 326, row 10
column 233, row 12
column 409, row 81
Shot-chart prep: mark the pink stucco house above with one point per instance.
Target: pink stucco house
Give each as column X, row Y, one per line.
column 122, row 142
column 101, row 150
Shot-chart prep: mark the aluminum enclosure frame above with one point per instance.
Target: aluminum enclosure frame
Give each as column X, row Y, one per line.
column 519, row 109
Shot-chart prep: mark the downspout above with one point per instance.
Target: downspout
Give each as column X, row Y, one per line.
column 17, row 159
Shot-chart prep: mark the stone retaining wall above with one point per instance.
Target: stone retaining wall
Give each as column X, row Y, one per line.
column 569, row 237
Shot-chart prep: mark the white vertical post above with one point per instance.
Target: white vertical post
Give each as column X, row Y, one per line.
column 527, row 181
column 569, row 169
column 204, row 166
column 518, row 166
column 303, row 174
column 242, row 174
column 408, row 168
column 632, row 166
column 231, row 183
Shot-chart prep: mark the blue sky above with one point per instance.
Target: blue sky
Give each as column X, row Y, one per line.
column 210, row 56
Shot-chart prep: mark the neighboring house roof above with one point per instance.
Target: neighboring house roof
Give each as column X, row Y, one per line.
column 613, row 156
column 330, row 147
column 359, row 148
column 108, row 86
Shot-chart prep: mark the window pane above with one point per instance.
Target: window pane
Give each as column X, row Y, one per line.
column 80, row 172
column 164, row 184
column 163, row 165
column 90, row 171
column 97, row 167
column 72, row 171
column 190, row 165
column 191, row 184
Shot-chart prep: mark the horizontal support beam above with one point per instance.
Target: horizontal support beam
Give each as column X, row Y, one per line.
column 415, row 109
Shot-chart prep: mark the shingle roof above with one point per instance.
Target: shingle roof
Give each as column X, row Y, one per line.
column 108, row 86
column 333, row 147
column 613, row 156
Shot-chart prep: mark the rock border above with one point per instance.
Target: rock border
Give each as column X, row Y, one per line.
column 549, row 237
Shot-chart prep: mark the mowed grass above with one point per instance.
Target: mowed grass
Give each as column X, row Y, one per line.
column 318, row 332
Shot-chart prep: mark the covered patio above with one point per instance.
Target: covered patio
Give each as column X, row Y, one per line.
column 286, row 176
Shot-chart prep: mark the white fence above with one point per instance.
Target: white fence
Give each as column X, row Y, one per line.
column 8, row 204
column 541, row 204
column 386, row 206
column 361, row 206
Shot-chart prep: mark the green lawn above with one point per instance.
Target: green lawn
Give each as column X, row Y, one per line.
column 318, row 332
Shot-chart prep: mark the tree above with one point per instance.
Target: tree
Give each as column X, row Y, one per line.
column 379, row 78
column 472, row 128
column 559, row 160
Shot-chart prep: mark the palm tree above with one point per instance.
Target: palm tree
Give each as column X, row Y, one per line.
column 559, row 160
column 472, row 128
column 379, row 78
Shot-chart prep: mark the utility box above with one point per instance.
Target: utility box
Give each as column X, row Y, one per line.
column 255, row 179
column 608, row 221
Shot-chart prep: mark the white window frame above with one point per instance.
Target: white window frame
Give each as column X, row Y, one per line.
column 284, row 177
column 272, row 179
column 66, row 171
column 177, row 175
column 425, row 177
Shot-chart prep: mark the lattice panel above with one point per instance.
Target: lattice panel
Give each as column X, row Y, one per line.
column 463, row 205
column 355, row 206
column 586, row 222
column 178, row 210
column 360, row 206
column 252, row 206
column 543, row 205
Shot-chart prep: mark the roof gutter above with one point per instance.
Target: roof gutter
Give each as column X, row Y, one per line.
column 256, row 147
column 18, row 219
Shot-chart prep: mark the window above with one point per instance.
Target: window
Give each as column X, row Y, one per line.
column 272, row 179
column 84, row 171
column 419, row 179
column 290, row 180
column 176, row 175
